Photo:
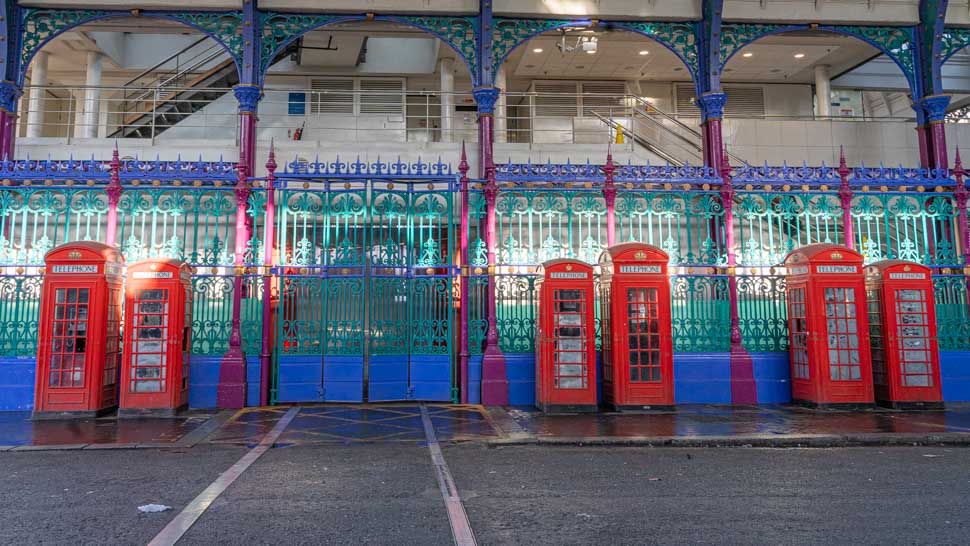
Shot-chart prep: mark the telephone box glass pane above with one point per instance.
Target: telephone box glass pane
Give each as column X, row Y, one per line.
column 569, row 326
column 643, row 333
column 69, row 337
column 149, row 346
column 914, row 338
column 876, row 341
column 843, row 334
column 799, row 333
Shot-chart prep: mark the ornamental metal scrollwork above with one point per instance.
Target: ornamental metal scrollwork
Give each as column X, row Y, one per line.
column 225, row 27
column 40, row 25
column 736, row 36
column 280, row 28
column 953, row 40
column 458, row 32
column 896, row 42
column 507, row 34
column 679, row 37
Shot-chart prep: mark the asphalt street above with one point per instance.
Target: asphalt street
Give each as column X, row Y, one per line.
column 536, row 495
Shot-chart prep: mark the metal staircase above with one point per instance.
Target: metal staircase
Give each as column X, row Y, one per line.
column 159, row 97
column 661, row 134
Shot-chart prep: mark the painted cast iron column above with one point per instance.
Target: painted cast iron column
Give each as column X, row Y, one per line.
column 935, row 107
column 609, row 196
column 114, row 195
column 232, row 372
column 743, row 387
column 248, row 97
column 712, row 111
column 845, row 199
column 960, row 194
column 269, row 239
column 495, row 384
column 9, row 94
column 463, row 352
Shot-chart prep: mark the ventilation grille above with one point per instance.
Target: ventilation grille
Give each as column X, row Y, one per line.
column 332, row 96
column 556, row 99
column 742, row 102
column 382, row 97
column 603, row 98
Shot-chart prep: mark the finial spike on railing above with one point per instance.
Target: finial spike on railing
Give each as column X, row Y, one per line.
column 957, row 163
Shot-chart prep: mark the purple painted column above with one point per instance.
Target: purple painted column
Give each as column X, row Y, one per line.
column 114, row 195
column 609, row 195
column 9, row 93
column 744, row 389
column 463, row 352
column 232, row 372
column 495, row 383
column 248, row 96
column 269, row 241
column 924, row 146
column 935, row 107
column 712, row 110
column 845, row 198
column 960, row 194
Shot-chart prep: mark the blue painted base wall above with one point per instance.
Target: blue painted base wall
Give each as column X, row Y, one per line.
column 17, row 383
column 430, row 378
column 204, row 381
column 955, row 376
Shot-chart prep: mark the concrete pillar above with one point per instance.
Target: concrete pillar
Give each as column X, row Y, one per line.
column 38, row 79
column 447, row 68
column 78, row 114
column 501, row 111
column 823, row 91
column 92, row 102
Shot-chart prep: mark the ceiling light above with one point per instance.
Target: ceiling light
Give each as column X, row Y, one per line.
column 748, row 55
column 799, row 55
column 591, row 51
column 644, row 52
column 537, row 50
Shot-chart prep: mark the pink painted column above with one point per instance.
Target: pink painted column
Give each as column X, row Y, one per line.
column 743, row 387
column 935, row 107
column 232, row 372
column 495, row 384
column 712, row 111
column 269, row 240
column 114, row 195
column 463, row 351
column 9, row 93
column 924, row 146
column 248, row 97
column 845, row 199
column 960, row 194
column 609, row 196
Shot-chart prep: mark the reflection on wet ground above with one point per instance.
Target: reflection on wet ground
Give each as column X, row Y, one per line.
column 17, row 429
column 694, row 421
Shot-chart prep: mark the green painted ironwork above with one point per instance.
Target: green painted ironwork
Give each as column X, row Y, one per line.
column 700, row 313
column 768, row 226
column 688, row 226
column 508, row 33
column 40, row 24
column 763, row 313
column 34, row 220
column 953, row 40
column 535, row 226
column 735, row 36
column 224, row 26
column 898, row 43
column 457, row 32
column 679, row 37
column 952, row 312
column 919, row 227
column 366, row 270
column 280, row 28
column 19, row 312
column 212, row 312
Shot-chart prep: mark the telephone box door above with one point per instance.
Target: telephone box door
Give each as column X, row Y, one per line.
column 648, row 379
column 566, row 366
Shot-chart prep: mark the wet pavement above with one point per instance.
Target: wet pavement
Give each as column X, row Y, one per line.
column 17, row 429
column 731, row 421
column 346, row 424
column 402, row 423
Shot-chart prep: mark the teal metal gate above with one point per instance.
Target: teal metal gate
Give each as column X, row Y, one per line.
column 365, row 289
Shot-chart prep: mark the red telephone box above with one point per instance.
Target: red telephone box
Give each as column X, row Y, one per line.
column 566, row 338
column 155, row 364
column 80, row 322
column 828, row 326
column 902, row 330
column 638, row 368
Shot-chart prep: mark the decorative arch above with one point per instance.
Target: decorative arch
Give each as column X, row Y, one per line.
column 952, row 40
column 679, row 38
column 38, row 26
column 897, row 43
column 279, row 29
